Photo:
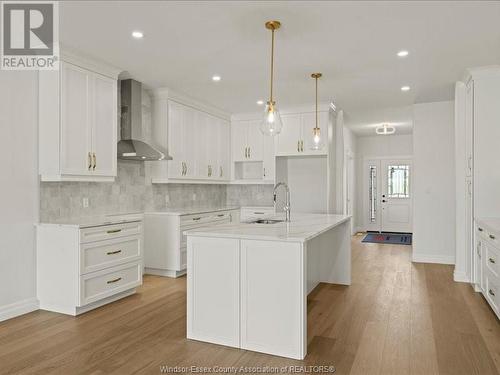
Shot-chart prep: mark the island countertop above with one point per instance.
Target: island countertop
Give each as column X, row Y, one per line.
column 301, row 228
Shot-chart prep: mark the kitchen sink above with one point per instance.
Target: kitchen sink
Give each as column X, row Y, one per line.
column 267, row 221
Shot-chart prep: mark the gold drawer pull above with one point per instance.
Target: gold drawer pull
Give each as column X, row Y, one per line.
column 114, row 280
column 258, row 213
column 491, row 292
column 220, row 215
column 492, row 237
column 196, row 218
column 492, row 260
column 113, row 231
column 114, row 252
column 480, row 229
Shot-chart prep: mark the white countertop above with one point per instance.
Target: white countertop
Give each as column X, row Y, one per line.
column 190, row 211
column 302, row 228
column 490, row 223
column 95, row 221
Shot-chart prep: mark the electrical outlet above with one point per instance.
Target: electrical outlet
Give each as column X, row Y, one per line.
column 167, row 200
column 85, row 202
column 194, row 196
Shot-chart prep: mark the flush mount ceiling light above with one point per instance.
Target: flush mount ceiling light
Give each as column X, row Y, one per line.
column 137, row 34
column 403, row 53
column 405, row 88
column 216, row 78
column 271, row 123
column 317, row 143
column 385, row 129
column 260, row 102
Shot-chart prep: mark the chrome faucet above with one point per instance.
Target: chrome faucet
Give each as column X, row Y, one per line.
column 287, row 202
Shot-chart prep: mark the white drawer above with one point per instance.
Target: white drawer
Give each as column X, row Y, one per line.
column 106, row 232
column 492, row 291
column 492, row 258
column 255, row 213
column 105, row 283
column 95, row 256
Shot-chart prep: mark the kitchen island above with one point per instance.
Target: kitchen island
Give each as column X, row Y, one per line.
column 247, row 283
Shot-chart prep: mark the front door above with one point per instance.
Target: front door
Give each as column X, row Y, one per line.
column 388, row 198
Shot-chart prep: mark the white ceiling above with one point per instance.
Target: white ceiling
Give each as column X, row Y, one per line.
column 353, row 44
column 364, row 122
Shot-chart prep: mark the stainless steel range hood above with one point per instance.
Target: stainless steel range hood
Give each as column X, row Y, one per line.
column 132, row 145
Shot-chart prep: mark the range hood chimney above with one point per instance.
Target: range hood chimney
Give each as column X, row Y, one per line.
column 132, row 146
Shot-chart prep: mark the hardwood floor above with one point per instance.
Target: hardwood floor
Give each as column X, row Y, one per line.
column 395, row 318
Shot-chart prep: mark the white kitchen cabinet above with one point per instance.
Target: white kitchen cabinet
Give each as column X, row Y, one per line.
column 296, row 136
column 165, row 242
column 487, row 251
column 247, row 141
column 197, row 140
column 78, row 122
column 223, row 150
column 81, row 267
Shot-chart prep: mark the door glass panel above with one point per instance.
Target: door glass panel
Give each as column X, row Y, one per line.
column 398, row 177
column 372, row 192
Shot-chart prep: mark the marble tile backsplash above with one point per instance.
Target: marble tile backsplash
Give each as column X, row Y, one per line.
column 131, row 192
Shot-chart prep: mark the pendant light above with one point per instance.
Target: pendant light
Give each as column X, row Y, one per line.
column 271, row 123
column 317, row 141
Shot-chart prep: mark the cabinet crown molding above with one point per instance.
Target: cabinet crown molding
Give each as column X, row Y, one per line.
column 165, row 93
column 82, row 60
column 481, row 71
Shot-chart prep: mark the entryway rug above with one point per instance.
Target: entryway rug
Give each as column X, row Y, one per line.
column 389, row 238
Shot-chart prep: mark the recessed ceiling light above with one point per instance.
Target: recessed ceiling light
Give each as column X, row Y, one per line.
column 403, row 53
column 216, row 78
column 137, row 34
column 405, row 88
column 260, row 102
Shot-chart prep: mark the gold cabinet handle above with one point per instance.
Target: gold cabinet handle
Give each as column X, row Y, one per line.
column 90, row 161
column 302, row 146
column 246, row 154
column 186, row 169
column 113, row 252
column 95, row 161
column 491, row 292
column 221, row 172
column 491, row 260
column 113, row 231
column 249, row 152
column 492, row 237
column 114, row 280
column 264, row 171
column 196, row 218
column 480, row 229
column 220, row 215
column 182, row 168
column 298, row 146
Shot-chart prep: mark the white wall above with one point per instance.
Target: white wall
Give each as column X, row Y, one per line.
column 19, row 191
column 350, row 191
column 434, row 183
column 378, row 146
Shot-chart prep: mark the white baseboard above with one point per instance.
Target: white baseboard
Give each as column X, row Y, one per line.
column 431, row 258
column 460, row 277
column 18, row 308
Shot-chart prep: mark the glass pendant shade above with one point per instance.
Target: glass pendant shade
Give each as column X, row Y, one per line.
column 317, row 141
column 271, row 122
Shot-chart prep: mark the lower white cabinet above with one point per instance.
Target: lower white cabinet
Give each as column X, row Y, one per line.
column 487, row 261
column 165, row 251
column 256, row 213
column 81, row 268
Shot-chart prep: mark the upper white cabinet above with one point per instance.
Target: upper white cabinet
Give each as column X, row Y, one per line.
column 197, row 140
column 78, row 116
column 296, row 136
column 247, row 141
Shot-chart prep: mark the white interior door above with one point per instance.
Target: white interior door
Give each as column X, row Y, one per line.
column 387, row 202
column 396, row 200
